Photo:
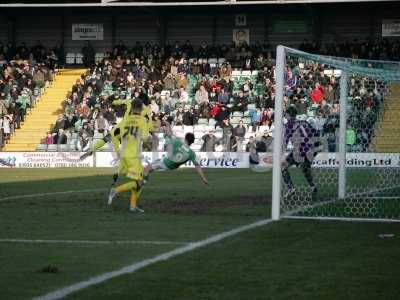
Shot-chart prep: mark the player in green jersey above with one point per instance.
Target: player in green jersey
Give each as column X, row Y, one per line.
column 178, row 153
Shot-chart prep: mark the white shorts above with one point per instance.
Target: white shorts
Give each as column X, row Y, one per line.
column 159, row 165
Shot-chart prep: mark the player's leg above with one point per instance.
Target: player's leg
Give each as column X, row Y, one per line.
column 306, row 168
column 157, row 165
column 287, row 179
column 134, row 198
column 115, row 178
column 96, row 146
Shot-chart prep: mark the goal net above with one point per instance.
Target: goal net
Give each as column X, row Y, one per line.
column 337, row 140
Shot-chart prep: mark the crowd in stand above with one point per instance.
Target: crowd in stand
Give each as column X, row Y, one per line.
column 24, row 73
column 191, row 85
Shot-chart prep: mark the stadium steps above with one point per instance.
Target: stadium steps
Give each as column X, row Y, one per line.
column 42, row 118
column 387, row 133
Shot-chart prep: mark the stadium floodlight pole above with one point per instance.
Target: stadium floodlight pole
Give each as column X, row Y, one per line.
column 278, row 122
column 342, row 135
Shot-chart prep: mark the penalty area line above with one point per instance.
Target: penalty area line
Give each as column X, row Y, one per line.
column 41, row 241
column 65, row 291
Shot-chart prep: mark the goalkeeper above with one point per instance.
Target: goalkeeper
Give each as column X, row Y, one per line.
column 134, row 132
column 178, row 153
column 305, row 141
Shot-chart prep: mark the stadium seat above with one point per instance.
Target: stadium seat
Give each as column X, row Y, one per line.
column 99, row 57
column 212, row 61
column 337, row 73
column 196, row 147
column 236, row 73
column 63, row 148
column 251, row 106
column 70, row 58
column 52, row 147
column 246, row 73
column 221, row 60
column 79, row 58
column 41, row 147
column 203, row 121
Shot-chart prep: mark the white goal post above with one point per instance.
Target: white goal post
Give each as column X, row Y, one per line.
column 339, row 158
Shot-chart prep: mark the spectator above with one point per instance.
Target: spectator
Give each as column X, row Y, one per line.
column 183, row 96
column 240, row 102
column 324, row 110
column 201, row 96
column 60, row 138
column 169, row 82
column 251, row 146
column 154, row 107
column 239, row 132
column 179, row 116
column 264, row 143
column 223, row 97
column 209, row 142
column 49, row 139
column 222, row 115
column 317, row 94
column 227, row 130
column 302, row 106
column 101, row 124
column 189, row 117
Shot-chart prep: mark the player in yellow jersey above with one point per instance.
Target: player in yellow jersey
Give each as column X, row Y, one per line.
column 133, row 133
column 114, row 136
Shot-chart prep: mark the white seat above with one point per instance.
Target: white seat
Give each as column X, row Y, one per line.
column 221, row 60
column 165, row 92
column 99, row 57
column 198, row 128
column 212, row 61
column 70, row 58
column 52, row 147
column 251, row 106
column 187, row 129
column 79, row 58
column 328, row 72
column 41, row 147
column 236, row 73
column 198, row 134
column 254, row 73
column 337, row 73
column 63, row 148
column 246, row 73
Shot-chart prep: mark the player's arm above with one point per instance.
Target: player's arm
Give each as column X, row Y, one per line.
column 201, row 173
column 127, row 103
column 198, row 167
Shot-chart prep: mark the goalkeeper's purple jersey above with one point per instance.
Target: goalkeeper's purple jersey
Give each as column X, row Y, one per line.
column 302, row 135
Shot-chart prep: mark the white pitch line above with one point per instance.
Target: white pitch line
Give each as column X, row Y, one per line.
column 61, row 293
column 49, row 194
column 39, row 241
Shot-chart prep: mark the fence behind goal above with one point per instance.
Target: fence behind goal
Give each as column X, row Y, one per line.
column 344, row 137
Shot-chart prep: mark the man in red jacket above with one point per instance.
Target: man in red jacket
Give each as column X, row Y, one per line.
column 317, row 94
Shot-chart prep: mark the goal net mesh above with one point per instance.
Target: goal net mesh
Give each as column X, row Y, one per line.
column 370, row 139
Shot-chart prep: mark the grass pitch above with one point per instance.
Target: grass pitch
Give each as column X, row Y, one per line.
column 284, row 260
